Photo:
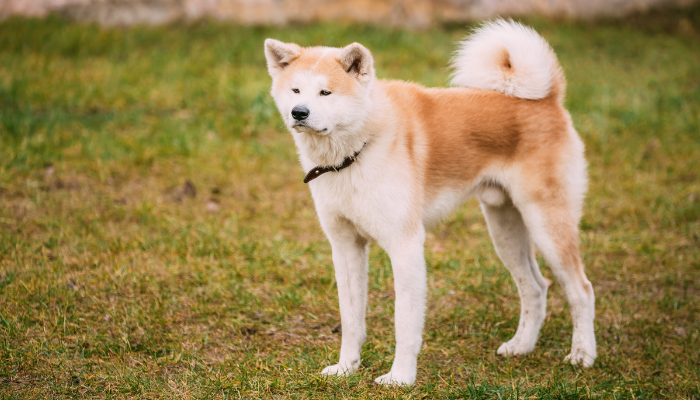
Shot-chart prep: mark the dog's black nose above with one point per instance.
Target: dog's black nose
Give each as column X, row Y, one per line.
column 300, row 113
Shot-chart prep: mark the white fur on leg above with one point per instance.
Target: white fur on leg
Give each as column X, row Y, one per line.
column 403, row 370
column 581, row 357
column 341, row 369
column 579, row 291
column 350, row 252
column 513, row 245
column 532, row 314
column 400, row 375
column 583, row 343
column 410, row 285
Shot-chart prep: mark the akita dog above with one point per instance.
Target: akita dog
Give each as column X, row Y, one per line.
column 386, row 159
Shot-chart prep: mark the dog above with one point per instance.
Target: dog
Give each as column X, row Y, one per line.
column 388, row 159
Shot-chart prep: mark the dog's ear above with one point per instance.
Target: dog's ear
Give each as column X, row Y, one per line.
column 279, row 55
column 358, row 62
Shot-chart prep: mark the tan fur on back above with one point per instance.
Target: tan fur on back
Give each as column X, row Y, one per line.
column 467, row 130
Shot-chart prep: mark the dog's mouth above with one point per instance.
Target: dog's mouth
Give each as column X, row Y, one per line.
column 300, row 126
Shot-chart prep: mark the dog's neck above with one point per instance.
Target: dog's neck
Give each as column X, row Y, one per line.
column 318, row 171
column 333, row 149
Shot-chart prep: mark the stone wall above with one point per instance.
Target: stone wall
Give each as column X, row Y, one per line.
column 408, row 13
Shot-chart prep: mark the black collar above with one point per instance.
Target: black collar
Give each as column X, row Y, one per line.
column 318, row 171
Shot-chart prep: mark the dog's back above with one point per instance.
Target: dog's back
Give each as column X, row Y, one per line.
column 508, row 117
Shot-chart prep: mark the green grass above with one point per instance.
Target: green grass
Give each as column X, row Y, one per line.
column 117, row 282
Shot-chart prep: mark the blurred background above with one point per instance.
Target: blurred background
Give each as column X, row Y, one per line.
column 157, row 241
column 403, row 13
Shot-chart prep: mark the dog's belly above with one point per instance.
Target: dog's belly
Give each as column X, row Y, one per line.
column 448, row 200
column 444, row 203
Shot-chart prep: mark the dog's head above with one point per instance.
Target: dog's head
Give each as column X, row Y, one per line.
column 320, row 91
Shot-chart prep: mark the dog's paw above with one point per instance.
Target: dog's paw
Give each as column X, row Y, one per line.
column 581, row 357
column 396, row 379
column 340, row 370
column 514, row 347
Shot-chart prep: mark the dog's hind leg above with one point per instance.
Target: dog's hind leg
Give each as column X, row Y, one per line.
column 514, row 247
column 554, row 229
column 350, row 260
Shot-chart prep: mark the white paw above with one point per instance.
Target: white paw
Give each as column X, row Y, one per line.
column 581, row 357
column 340, row 370
column 398, row 379
column 514, row 347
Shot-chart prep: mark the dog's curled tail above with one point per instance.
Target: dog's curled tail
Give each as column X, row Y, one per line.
column 510, row 58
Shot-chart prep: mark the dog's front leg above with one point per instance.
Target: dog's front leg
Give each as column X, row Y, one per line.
column 410, row 286
column 350, row 260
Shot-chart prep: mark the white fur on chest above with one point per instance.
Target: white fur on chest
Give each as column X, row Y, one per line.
column 376, row 197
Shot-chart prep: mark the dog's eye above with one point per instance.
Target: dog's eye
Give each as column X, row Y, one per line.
column 325, row 92
column 295, row 90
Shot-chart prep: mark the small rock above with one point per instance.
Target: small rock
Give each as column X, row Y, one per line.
column 652, row 146
column 681, row 332
column 337, row 329
column 212, row 207
column 248, row 331
column 183, row 114
column 178, row 194
column 48, row 169
column 437, row 248
column 189, row 190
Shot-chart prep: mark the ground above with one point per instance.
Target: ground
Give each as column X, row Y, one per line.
column 157, row 241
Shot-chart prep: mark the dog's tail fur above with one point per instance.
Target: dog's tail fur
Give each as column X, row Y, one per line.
column 510, row 58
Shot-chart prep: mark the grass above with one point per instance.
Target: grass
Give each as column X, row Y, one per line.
column 156, row 240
